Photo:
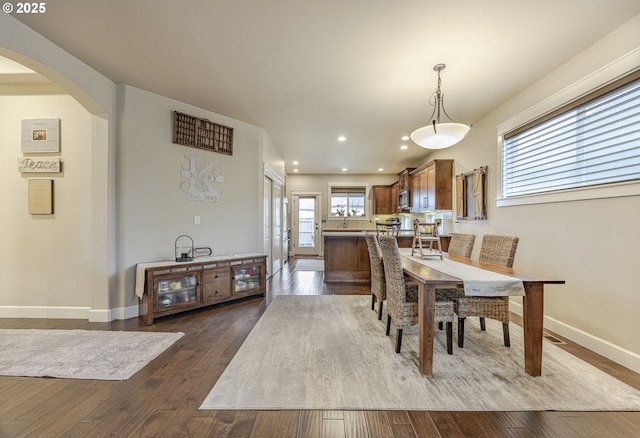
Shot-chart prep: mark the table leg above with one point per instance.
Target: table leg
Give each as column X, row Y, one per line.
column 426, row 310
column 533, row 314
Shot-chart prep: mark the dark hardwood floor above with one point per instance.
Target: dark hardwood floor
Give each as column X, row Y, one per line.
column 162, row 399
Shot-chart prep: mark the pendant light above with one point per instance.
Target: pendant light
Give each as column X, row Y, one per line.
column 437, row 135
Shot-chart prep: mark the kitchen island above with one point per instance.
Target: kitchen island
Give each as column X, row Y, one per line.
column 346, row 257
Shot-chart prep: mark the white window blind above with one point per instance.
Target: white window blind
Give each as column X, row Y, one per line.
column 590, row 142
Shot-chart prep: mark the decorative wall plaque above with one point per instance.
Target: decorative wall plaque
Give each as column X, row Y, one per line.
column 40, row 196
column 40, row 135
column 201, row 179
column 202, row 134
column 39, row 164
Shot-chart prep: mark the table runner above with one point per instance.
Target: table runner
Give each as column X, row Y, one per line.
column 477, row 282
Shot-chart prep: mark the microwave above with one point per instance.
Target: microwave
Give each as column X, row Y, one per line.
column 404, row 200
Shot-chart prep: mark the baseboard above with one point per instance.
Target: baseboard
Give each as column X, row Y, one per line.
column 44, row 312
column 109, row 315
column 621, row 356
column 93, row 315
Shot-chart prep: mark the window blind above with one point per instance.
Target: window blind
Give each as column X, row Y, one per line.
column 593, row 141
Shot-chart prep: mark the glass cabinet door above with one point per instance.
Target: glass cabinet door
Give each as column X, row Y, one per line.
column 176, row 290
column 247, row 278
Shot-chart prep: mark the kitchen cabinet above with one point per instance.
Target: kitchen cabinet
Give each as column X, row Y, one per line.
column 394, row 197
column 174, row 287
column 382, row 200
column 432, row 186
column 404, row 200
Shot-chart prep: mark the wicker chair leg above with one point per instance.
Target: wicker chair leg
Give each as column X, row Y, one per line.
column 398, row 340
column 505, row 334
column 373, row 301
column 460, row 332
column 380, row 310
column 388, row 324
column 483, row 327
column 449, row 337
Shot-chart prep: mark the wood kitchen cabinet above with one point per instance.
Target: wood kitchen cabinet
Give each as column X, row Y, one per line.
column 432, row 186
column 384, row 200
column 394, row 197
column 174, row 287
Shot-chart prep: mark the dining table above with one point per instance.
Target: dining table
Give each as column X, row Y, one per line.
column 429, row 279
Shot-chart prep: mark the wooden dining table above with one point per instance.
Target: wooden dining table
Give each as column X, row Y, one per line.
column 429, row 279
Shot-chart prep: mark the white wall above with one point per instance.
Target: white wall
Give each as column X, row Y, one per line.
column 153, row 210
column 592, row 244
column 96, row 94
column 45, row 262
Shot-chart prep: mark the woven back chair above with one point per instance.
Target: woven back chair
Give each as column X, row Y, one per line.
column 461, row 244
column 402, row 296
column 392, row 228
column 497, row 250
column 378, row 289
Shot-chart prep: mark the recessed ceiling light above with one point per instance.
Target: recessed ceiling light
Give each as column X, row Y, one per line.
column 344, row 169
column 380, row 169
column 295, row 163
column 295, row 170
column 405, row 137
column 404, row 146
column 342, row 138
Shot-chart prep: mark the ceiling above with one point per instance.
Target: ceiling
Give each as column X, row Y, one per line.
column 308, row 71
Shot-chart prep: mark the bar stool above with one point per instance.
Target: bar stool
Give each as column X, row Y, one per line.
column 426, row 232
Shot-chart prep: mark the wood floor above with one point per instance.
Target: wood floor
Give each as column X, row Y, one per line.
column 162, row 399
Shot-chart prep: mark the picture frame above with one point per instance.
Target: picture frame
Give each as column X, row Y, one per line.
column 40, row 196
column 40, row 136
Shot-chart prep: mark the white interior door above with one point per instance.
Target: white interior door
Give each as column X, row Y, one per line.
column 277, row 195
column 267, row 222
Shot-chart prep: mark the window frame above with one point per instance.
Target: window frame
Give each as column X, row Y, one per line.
column 604, row 80
column 332, row 186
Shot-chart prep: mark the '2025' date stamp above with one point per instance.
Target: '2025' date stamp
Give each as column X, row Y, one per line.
column 25, row 8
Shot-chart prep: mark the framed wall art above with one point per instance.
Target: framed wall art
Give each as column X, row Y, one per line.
column 40, row 135
column 40, row 196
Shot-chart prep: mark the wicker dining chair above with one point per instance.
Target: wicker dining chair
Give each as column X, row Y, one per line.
column 402, row 296
column 498, row 250
column 392, row 228
column 460, row 245
column 378, row 292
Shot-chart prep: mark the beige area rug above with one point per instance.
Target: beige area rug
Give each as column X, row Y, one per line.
column 309, row 265
column 330, row 352
column 80, row 354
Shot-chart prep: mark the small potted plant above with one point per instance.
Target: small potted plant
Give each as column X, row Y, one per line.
column 340, row 212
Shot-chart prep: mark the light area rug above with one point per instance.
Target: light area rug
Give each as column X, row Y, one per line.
column 331, row 352
column 309, row 265
column 80, row 354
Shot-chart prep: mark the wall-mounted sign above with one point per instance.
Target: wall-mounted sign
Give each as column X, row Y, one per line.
column 40, row 196
column 39, row 164
column 201, row 179
column 40, row 135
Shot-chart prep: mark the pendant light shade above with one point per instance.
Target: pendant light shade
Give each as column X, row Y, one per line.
column 437, row 135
